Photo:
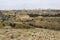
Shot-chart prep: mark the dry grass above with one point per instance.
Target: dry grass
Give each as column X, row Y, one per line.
column 29, row 34
column 44, row 22
column 47, row 22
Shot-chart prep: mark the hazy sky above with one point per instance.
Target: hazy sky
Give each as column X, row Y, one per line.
column 29, row 4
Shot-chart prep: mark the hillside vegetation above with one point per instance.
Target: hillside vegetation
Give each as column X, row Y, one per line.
column 48, row 19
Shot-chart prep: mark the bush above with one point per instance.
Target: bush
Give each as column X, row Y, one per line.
column 12, row 25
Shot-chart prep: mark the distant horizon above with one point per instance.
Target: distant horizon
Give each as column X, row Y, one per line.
column 29, row 4
column 32, row 9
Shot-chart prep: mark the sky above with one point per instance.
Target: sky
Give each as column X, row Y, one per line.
column 29, row 4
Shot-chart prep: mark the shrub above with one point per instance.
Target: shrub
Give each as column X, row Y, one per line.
column 12, row 25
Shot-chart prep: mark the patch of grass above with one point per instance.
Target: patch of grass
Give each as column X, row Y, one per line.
column 1, row 25
column 46, row 25
column 23, row 26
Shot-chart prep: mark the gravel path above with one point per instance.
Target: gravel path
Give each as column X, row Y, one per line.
column 29, row 34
